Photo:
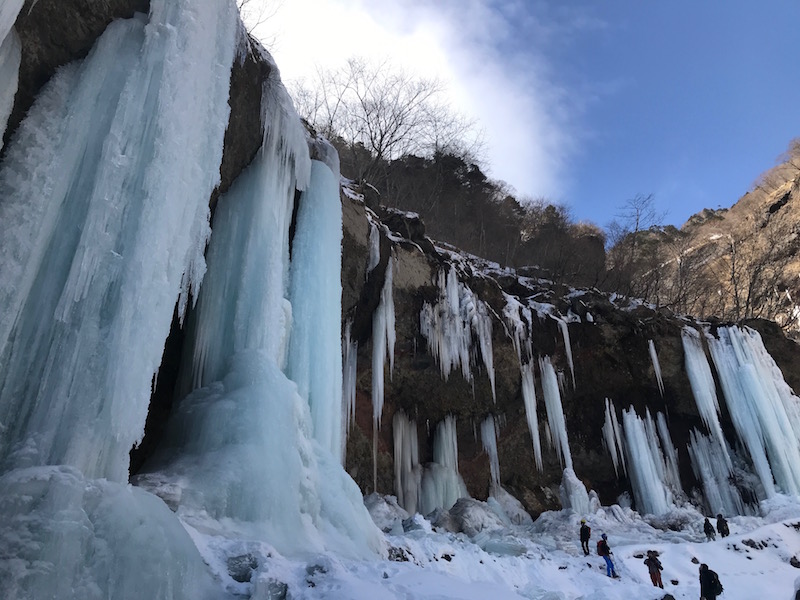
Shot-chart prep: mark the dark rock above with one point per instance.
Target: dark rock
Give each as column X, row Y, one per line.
column 398, row 554
column 794, row 562
column 54, row 33
column 241, row 568
column 276, row 590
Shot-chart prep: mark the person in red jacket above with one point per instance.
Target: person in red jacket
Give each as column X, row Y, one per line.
column 654, row 567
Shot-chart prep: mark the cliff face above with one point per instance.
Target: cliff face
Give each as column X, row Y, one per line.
column 609, row 340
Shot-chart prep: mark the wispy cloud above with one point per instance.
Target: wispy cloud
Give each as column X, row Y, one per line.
column 493, row 56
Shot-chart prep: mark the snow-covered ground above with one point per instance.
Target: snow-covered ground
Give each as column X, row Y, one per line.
column 541, row 561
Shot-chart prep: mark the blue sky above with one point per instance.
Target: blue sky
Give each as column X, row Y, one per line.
column 587, row 103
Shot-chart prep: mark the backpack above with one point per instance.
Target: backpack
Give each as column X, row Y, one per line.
column 601, row 550
column 716, row 585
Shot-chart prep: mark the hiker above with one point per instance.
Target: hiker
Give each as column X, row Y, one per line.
column 586, row 533
column 604, row 551
column 709, row 530
column 722, row 526
column 710, row 587
column 654, row 567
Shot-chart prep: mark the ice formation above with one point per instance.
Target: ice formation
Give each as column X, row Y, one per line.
column 315, row 359
column 349, row 375
column 407, row 470
column 646, row 465
column 562, row 324
column 10, row 55
column 103, row 224
column 383, row 338
column 245, row 445
column 452, row 323
column 555, row 412
column 656, row 366
column 489, row 440
column 764, row 411
column 703, row 388
column 710, row 463
column 442, row 485
column 529, row 398
column 613, row 439
column 374, row 246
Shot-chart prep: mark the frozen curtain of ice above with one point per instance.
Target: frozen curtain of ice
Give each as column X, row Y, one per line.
column 104, row 223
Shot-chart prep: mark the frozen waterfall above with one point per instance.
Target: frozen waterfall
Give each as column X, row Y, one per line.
column 764, row 411
column 103, row 225
column 442, row 485
column 10, row 55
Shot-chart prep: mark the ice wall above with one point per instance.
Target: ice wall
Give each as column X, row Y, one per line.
column 103, row 224
column 764, row 411
column 562, row 324
column 315, row 359
column 243, row 447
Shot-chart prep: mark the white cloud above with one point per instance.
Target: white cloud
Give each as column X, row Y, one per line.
column 490, row 58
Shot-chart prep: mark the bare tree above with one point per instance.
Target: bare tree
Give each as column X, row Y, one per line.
column 384, row 110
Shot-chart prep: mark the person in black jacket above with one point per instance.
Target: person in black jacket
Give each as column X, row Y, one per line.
column 710, row 586
column 722, row 526
column 604, row 551
column 708, row 528
column 586, row 533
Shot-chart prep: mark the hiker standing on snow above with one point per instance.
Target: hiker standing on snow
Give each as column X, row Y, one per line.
column 708, row 528
column 722, row 526
column 654, row 567
column 586, row 533
column 710, row 587
column 604, row 551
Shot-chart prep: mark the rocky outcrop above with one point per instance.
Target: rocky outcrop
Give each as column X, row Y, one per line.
column 610, row 348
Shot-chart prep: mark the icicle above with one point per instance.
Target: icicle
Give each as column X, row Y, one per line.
column 672, row 475
column 383, row 338
column 562, row 324
column 703, row 387
column 555, row 412
column 349, row 375
column 442, row 485
column 407, row 471
column 529, row 398
column 613, row 439
column 710, row 465
column 645, row 464
column 656, row 366
column 489, row 440
column 449, row 326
